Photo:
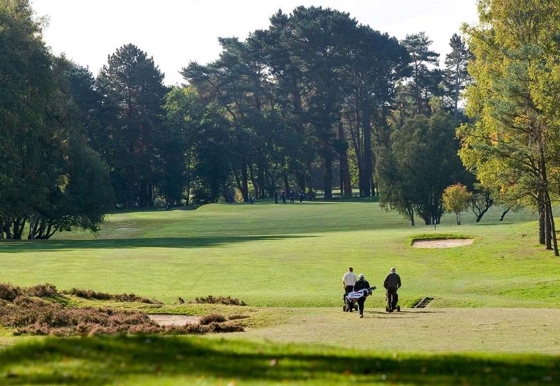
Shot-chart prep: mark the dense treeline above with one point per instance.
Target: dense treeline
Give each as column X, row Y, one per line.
column 317, row 93
column 316, row 101
column 50, row 180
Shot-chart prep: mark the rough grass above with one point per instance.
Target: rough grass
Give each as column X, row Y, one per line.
column 39, row 310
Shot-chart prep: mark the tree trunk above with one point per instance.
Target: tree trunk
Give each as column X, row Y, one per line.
column 261, row 192
column 18, row 225
column 368, row 155
column 244, row 182
column 552, row 225
column 480, row 211
column 547, row 227
column 328, row 178
column 542, row 220
column 504, row 213
column 237, row 178
column 411, row 216
column 345, row 183
column 286, row 184
column 456, row 96
column 256, row 185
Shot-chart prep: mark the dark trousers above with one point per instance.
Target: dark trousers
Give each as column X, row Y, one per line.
column 392, row 297
column 361, row 303
column 347, row 289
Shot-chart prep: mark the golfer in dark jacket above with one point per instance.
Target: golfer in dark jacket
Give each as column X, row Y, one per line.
column 392, row 283
column 362, row 283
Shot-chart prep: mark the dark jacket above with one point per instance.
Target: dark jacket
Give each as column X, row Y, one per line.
column 392, row 281
column 362, row 283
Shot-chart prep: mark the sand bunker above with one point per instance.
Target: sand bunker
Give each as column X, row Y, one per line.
column 441, row 243
column 174, row 320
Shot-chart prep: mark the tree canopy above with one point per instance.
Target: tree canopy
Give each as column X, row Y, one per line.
column 512, row 143
column 44, row 152
column 316, row 101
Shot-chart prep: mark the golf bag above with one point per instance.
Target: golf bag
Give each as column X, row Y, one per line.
column 351, row 299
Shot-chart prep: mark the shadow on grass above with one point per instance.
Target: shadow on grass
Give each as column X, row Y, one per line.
column 161, row 242
column 103, row 360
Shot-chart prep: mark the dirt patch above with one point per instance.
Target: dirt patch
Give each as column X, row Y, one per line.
column 174, row 320
column 441, row 243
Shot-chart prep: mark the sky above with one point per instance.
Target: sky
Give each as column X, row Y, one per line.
column 177, row 32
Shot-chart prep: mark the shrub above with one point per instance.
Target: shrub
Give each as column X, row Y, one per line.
column 41, row 291
column 212, row 318
column 32, row 315
column 31, row 311
column 220, row 300
column 89, row 294
column 9, row 292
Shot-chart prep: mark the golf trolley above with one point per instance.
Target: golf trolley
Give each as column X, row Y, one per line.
column 351, row 298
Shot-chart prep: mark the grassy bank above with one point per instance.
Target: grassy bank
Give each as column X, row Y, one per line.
column 189, row 361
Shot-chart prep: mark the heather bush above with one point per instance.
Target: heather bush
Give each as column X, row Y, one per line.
column 216, row 328
column 212, row 328
column 89, row 294
column 212, row 318
column 31, row 311
column 41, row 291
column 9, row 292
column 220, row 300
column 36, row 316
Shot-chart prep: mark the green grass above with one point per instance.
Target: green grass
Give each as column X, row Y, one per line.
column 292, row 255
column 495, row 309
column 189, row 361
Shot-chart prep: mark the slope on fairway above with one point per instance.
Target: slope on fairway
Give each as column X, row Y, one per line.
column 292, row 255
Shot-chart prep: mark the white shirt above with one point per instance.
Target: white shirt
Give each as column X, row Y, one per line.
column 349, row 278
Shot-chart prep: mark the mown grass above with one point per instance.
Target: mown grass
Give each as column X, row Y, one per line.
column 292, row 255
column 188, row 361
column 286, row 263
